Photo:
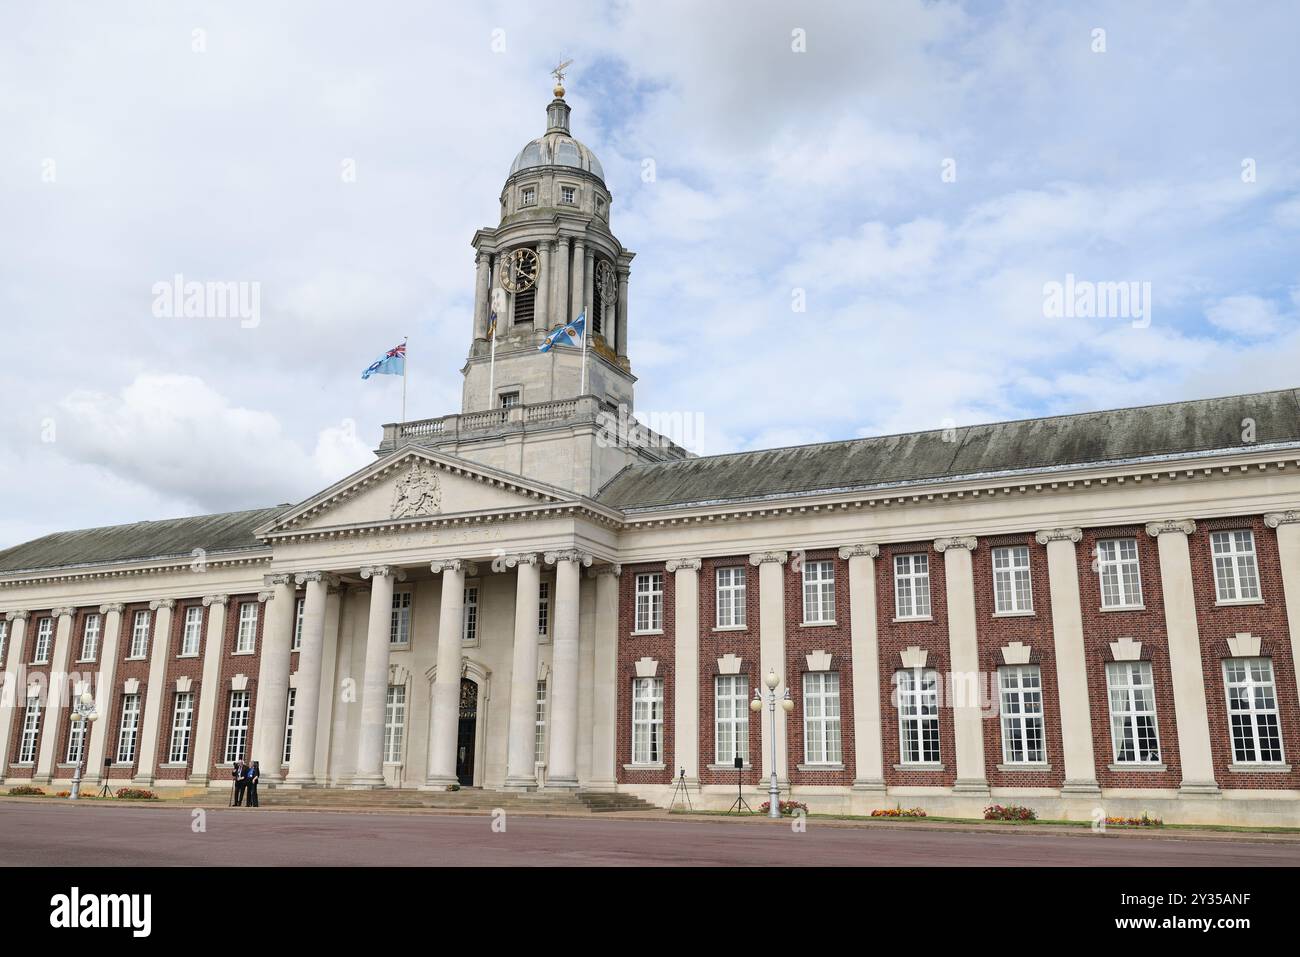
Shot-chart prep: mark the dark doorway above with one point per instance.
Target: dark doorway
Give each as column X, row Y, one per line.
column 465, row 732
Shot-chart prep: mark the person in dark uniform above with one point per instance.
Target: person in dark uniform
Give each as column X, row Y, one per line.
column 237, row 798
column 251, row 776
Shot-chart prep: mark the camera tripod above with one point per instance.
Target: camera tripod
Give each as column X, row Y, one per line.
column 681, row 790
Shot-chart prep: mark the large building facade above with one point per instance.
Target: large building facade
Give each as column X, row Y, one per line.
column 1075, row 613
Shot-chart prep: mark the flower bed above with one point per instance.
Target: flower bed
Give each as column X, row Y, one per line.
column 26, row 790
column 1146, row 820
column 788, row 808
column 898, row 812
column 1009, row 812
column 136, row 794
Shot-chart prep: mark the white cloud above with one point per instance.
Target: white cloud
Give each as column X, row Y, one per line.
column 1246, row 316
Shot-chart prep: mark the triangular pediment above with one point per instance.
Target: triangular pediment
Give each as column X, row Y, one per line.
column 415, row 485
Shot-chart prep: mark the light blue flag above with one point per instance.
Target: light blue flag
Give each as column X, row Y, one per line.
column 568, row 335
column 392, row 362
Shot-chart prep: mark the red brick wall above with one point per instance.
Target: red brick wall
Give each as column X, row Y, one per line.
column 231, row 665
column 20, row 701
column 744, row 644
column 994, row 632
column 1219, row 623
column 178, row 667
column 894, row 637
column 800, row 640
column 59, row 723
column 1147, row 625
column 125, row 670
column 632, row 648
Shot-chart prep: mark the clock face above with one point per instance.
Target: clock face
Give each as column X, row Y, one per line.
column 519, row 271
column 606, row 284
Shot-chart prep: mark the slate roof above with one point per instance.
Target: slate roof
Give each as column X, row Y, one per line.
column 1202, row 425
column 140, row 541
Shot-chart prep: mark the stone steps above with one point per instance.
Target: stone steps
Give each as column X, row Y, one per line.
column 464, row 799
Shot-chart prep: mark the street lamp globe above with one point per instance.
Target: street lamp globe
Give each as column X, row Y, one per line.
column 787, row 702
column 772, row 680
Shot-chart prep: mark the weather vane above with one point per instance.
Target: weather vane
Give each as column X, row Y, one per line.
column 558, row 73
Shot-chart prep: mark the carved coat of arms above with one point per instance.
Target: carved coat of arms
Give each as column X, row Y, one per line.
column 417, row 493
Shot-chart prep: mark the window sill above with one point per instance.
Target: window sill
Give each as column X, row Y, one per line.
column 916, row 618
column 819, row 767
column 1138, row 766
column 45, row 662
column 85, row 661
column 817, row 624
column 732, row 628
column 1260, row 768
column 728, row 767
column 652, row 631
column 1015, row 614
column 243, row 652
column 644, row 767
column 919, row 767
column 173, row 765
column 1123, row 608
column 192, row 654
column 1230, row 602
column 139, row 657
column 1026, row 766
column 469, row 642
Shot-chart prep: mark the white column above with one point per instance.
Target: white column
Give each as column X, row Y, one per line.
column 963, row 651
column 273, row 678
column 446, row 684
column 589, row 284
column 481, row 303
column 374, row 686
column 1193, row 720
column 622, row 310
column 868, row 755
column 12, row 693
column 579, row 279
column 1071, row 662
column 325, row 769
column 209, row 692
column 58, row 695
column 686, row 666
column 560, row 310
column 562, row 763
column 520, row 769
column 604, row 711
column 771, row 654
column 542, row 302
column 155, row 692
column 1288, row 553
column 112, row 615
column 306, row 702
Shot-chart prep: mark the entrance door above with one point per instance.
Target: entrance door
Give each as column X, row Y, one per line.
column 465, row 732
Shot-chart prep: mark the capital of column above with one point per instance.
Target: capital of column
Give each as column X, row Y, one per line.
column 266, row 596
column 1058, row 535
column 862, row 550
column 1184, row 526
column 1289, row 517
column 209, row 600
column 68, row 610
column 383, row 571
column 569, row 555
column 967, row 542
column 168, row 603
column 613, row 568
column 271, row 581
column 17, row 615
column 302, row 578
column 683, row 564
column 117, row 607
column 519, row 558
column 761, row 558
column 453, row 565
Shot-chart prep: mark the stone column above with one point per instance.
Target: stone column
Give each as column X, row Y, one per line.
column 273, row 678
column 1288, row 551
column 482, row 278
column 155, row 696
column 686, row 666
column 604, row 711
column 621, row 346
column 99, row 730
column 446, row 685
column 771, row 656
column 562, row 763
column 868, row 755
column 209, row 688
column 58, row 695
column 589, row 283
column 12, row 692
column 1071, row 663
column 542, row 303
column 520, row 770
column 579, row 279
column 1193, row 721
column 963, row 651
column 306, row 708
column 325, row 770
column 374, row 685
column 560, row 308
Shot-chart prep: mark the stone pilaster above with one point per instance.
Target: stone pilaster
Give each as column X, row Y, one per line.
column 1193, row 721
column 622, row 311
column 210, row 697
column 155, row 696
column 686, row 665
column 771, row 653
column 542, row 303
column 12, row 693
column 521, row 772
column 604, row 724
column 302, row 758
column 579, row 279
column 560, row 307
column 273, row 678
column 374, row 688
column 964, row 680
column 868, row 755
column 562, row 763
column 482, row 275
column 441, row 767
column 1288, row 550
column 99, row 730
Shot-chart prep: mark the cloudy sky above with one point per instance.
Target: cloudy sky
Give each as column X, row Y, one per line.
column 912, row 173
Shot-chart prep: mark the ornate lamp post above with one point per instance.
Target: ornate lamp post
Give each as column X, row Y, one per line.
column 83, row 710
column 772, row 681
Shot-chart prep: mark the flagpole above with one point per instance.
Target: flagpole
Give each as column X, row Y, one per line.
column 404, row 380
column 582, row 389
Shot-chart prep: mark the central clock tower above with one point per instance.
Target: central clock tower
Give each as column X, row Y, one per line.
column 551, row 257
